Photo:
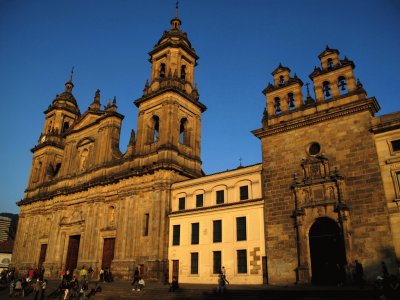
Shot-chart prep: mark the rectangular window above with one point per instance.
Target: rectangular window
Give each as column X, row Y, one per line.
column 220, row 197
column 216, row 262
column 217, row 231
column 194, row 263
column 195, row 233
column 242, row 261
column 199, row 200
column 241, row 228
column 182, row 203
column 244, row 192
column 395, row 145
column 176, row 235
column 146, row 225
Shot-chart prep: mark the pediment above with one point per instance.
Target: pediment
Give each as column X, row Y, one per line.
column 86, row 121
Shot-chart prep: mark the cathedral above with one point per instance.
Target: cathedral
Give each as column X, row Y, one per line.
column 326, row 192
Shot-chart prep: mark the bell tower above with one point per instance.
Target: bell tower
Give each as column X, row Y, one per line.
column 169, row 122
column 48, row 153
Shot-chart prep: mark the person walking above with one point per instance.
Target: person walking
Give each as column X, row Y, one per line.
column 43, row 290
column 174, row 284
column 384, row 270
column 221, row 284
column 223, row 272
column 36, row 289
column 90, row 273
column 359, row 274
column 101, row 274
column 135, row 281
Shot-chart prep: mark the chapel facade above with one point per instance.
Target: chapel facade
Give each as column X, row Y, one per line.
column 325, row 203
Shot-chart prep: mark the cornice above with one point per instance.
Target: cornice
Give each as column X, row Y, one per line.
column 164, row 89
column 168, row 165
column 370, row 104
column 215, row 207
column 171, row 44
column 386, row 126
column 47, row 143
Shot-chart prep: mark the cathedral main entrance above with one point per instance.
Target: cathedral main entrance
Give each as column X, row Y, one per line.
column 327, row 252
column 72, row 254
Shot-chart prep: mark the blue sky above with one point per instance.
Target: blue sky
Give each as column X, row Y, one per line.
column 239, row 43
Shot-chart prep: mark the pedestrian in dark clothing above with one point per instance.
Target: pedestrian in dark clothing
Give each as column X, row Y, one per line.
column 36, row 289
column 174, row 285
column 359, row 274
column 385, row 273
column 221, row 284
column 43, row 290
column 135, row 281
column 223, row 272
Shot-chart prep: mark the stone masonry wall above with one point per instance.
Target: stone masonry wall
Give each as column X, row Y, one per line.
column 349, row 146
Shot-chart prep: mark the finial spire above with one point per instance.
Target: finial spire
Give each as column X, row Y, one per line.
column 69, row 85
column 70, row 75
column 175, row 22
column 308, row 90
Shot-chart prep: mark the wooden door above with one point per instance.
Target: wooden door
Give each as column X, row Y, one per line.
column 141, row 270
column 72, row 254
column 175, row 269
column 108, row 253
column 42, row 255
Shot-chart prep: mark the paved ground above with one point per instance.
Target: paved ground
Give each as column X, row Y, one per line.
column 158, row 291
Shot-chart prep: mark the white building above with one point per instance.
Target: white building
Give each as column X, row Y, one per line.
column 216, row 221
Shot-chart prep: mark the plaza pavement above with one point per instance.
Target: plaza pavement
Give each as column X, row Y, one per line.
column 158, row 291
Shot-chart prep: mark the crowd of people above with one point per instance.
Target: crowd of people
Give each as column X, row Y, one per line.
column 75, row 286
column 72, row 288
column 21, row 286
column 386, row 285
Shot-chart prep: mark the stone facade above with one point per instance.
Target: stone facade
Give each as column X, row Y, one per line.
column 86, row 202
column 386, row 130
column 320, row 163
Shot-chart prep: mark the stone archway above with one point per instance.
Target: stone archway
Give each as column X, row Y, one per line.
column 327, row 252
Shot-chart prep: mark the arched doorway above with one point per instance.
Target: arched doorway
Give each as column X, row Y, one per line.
column 327, row 251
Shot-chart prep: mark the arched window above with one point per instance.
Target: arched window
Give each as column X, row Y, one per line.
column 281, row 80
column 342, row 85
column 156, row 129
column 330, row 63
column 326, row 86
column 37, row 171
column 183, row 72
column 50, row 126
column 65, row 127
column 162, row 70
column 277, row 105
column 291, row 101
column 183, row 134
